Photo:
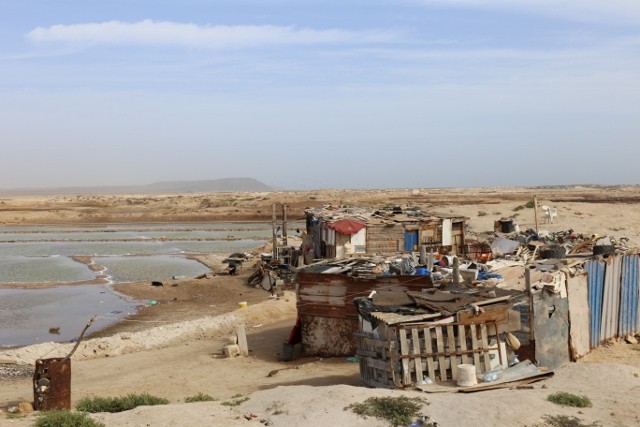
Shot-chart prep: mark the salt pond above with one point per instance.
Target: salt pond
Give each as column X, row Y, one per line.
column 128, row 253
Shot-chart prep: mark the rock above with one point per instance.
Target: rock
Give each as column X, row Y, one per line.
column 630, row 339
column 25, row 408
column 125, row 336
column 231, row 351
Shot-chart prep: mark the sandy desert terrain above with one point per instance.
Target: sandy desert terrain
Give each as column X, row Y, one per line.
column 172, row 349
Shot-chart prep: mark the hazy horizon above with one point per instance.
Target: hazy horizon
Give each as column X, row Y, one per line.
column 320, row 94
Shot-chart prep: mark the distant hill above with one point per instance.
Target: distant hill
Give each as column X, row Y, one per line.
column 203, row 186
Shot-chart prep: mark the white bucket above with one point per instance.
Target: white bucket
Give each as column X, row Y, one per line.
column 467, row 375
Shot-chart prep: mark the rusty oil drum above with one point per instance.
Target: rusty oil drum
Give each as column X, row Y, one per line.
column 52, row 384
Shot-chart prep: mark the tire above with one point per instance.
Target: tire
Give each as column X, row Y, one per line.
column 604, row 250
column 552, row 251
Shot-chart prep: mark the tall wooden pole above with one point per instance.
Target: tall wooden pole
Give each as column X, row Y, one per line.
column 274, row 246
column 284, row 225
column 535, row 212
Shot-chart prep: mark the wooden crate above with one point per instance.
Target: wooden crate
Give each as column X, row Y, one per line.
column 410, row 352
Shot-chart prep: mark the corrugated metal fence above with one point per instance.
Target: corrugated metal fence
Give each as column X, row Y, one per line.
column 613, row 297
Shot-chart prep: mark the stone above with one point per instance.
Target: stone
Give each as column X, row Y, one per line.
column 231, row 351
column 630, row 339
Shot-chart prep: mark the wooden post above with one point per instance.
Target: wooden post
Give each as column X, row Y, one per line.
column 535, row 212
column 273, row 229
column 456, row 270
column 423, row 255
column 284, row 226
column 527, row 282
column 242, row 340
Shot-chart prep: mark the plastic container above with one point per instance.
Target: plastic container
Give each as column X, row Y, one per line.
column 466, row 375
column 243, row 304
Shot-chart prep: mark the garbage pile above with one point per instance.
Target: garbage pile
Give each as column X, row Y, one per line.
column 528, row 245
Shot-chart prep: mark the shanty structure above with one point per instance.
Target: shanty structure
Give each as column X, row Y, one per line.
column 345, row 231
column 325, row 291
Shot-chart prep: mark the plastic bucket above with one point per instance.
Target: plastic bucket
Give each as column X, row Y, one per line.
column 466, row 375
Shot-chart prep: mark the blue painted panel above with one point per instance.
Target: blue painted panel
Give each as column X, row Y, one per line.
column 411, row 240
column 628, row 321
column 595, row 272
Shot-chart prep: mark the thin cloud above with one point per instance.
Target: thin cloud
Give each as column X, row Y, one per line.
column 607, row 11
column 150, row 32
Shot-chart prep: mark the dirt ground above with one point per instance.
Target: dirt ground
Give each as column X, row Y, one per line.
column 173, row 349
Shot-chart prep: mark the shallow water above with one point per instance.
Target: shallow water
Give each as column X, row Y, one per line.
column 26, row 315
column 129, row 253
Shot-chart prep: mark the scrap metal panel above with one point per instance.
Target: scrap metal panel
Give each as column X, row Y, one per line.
column 328, row 337
column 629, row 321
column 579, row 316
column 52, row 384
column 611, row 299
column 595, row 272
column 551, row 320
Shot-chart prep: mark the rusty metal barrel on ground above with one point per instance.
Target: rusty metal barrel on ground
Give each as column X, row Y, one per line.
column 52, row 384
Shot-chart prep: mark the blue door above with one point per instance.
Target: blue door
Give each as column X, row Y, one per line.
column 411, row 240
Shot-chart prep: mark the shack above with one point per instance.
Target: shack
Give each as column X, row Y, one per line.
column 325, row 291
column 347, row 231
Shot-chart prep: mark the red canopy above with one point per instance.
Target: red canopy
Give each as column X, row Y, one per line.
column 347, row 226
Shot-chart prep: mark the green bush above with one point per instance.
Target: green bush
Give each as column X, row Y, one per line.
column 397, row 410
column 236, row 400
column 567, row 399
column 66, row 419
column 118, row 404
column 200, row 397
column 566, row 421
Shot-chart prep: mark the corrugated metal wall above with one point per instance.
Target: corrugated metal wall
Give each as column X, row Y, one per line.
column 629, row 322
column 614, row 292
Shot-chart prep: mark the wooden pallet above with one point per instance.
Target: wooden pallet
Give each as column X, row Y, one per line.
column 411, row 352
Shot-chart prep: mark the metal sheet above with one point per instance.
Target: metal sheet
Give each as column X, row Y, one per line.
column 579, row 316
column 325, row 303
column 629, row 322
column 611, row 299
column 52, row 384
column 328, row 337
column 551, row 329
column 595, row 273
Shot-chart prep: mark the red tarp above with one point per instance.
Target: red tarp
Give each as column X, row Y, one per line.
column 347, row 226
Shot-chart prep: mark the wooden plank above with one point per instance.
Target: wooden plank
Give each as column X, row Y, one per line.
column 451, row 349
column 462, row 340
column 485, row 345
column 474, row 346
column 404, row 351
column 441, row 359
column 428, row 346
column 499, row 315
column 416, row 351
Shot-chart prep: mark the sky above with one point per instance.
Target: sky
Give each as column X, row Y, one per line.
column 312, row 94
